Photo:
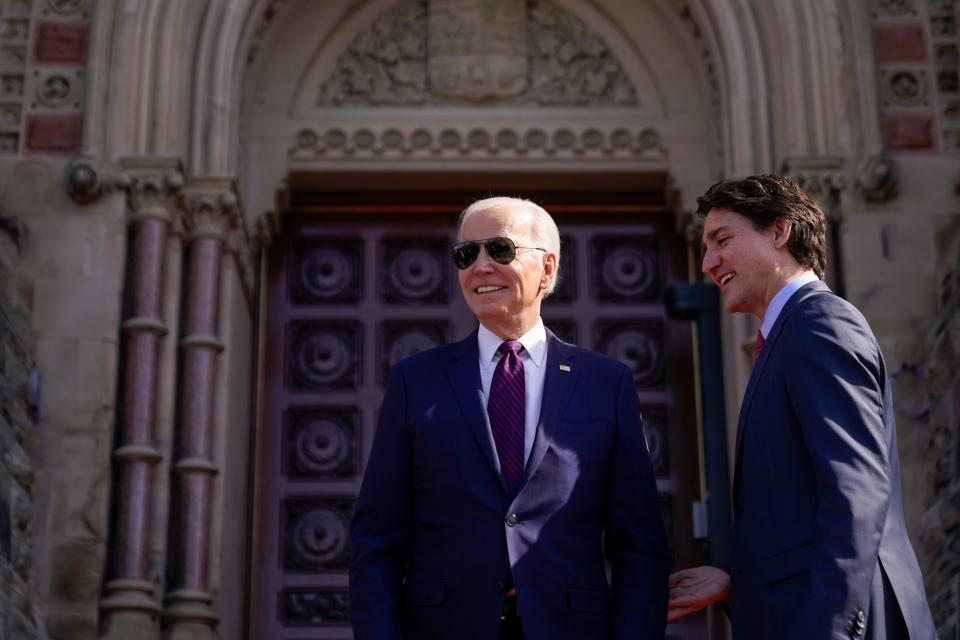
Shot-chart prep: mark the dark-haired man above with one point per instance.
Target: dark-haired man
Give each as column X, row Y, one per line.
column 507, row 470
column 820, row 549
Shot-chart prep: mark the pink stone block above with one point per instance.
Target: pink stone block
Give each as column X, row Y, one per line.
column 54, row 133
column 60, row 43
column 912, row 131
column 900, row 43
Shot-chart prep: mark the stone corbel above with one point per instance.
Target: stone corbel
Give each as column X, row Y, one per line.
column 877, row 178
column 89, row 179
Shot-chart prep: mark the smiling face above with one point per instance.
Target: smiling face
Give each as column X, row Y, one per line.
column 506, row 298
column 748, row 265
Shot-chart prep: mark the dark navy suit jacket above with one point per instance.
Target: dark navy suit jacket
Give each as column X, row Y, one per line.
column 820, row 547
column 436, row 536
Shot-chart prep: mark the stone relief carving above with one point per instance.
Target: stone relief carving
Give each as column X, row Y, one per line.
column 905, row 87
column 9, row 143
column 877, row 178
column 478, row 142
column 893, row 7
column 19, row 6
column 11, row 86
column 87, row 179
column 67, row 7
column 477, row 50
column 426, row 52
column 14, row 30
column 13, row 57
column 54, row 90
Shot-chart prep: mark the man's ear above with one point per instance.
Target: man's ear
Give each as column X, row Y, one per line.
column 782, row 230
column 549, row 269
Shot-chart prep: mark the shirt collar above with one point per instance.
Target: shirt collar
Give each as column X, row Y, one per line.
column 534, row 343
column 776, row 305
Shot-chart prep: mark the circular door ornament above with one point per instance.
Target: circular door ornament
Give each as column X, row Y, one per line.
column 417, row 270
column 326, row 271
column 322, row 446
column 324, row 356
column 319, row 537
column 627, row 271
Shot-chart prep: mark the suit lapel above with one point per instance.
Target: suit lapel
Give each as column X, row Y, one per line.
column 557, row 387
column 769, row 347
column 464, row 375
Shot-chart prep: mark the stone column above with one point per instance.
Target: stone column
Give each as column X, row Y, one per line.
column 130, row 607
column 210, row 210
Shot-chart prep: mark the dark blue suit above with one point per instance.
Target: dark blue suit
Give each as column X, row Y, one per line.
column 820, row 547
column 436, row 537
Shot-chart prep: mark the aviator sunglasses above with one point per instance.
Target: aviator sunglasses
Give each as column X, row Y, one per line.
column 500, row 249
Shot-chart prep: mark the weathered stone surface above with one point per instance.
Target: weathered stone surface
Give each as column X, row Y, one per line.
column 65, row 626
column 16, row 469
column 76, row 572
column 940, row 530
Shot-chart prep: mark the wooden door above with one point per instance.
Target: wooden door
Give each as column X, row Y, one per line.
column 360, row 277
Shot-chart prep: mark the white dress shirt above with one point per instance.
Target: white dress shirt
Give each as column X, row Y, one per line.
column 534, row 358
column 776, row 304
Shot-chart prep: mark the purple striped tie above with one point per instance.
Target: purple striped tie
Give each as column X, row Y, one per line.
column 507, row 412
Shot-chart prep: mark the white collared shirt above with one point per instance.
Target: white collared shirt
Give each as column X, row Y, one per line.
column 534, row 357
column 776, row 304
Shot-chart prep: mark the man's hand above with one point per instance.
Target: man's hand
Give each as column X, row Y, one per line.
column 694, row 589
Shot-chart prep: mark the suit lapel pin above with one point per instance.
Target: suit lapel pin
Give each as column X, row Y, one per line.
column 564, row 367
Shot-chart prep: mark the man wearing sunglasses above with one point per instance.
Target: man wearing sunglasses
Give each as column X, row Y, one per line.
column 507, row 470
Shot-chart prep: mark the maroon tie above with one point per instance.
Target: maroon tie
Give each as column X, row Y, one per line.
column 757, row 346
column 507, row 411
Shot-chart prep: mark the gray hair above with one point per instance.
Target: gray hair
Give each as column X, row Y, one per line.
column 544, row 229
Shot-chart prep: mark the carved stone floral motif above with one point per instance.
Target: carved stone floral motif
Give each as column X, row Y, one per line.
column 426, row 52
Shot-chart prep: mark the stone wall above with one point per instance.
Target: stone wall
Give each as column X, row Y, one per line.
column 18, row 415
column 940, row 530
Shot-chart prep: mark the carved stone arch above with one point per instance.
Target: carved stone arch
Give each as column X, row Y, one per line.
column 651, row 40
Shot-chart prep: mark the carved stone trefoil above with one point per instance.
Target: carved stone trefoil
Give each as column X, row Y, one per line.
column 460, row 52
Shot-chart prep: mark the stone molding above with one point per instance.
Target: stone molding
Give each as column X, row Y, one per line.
column 453, row 52
column 472, row 143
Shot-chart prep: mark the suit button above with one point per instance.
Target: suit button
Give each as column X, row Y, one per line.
column 860, row 616
column 511, row 520
column 499, row 587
